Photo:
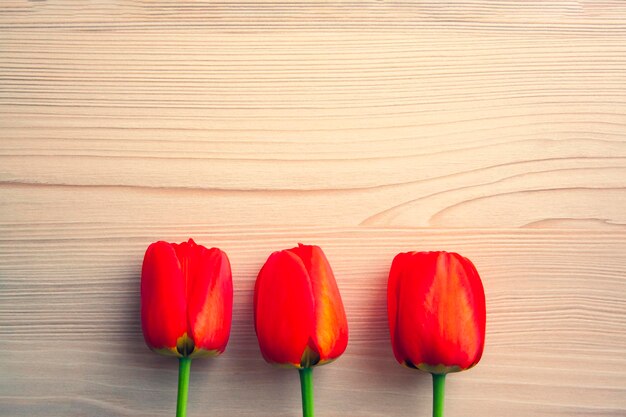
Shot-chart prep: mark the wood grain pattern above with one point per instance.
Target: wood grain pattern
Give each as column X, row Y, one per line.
column 496, row 129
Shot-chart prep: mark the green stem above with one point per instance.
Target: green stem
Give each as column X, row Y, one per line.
column 439, row 384
column 306, row 385
column 184, row 365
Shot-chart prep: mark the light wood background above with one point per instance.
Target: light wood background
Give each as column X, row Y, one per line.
column 492, row 128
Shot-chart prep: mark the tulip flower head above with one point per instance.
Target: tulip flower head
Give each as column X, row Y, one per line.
column 436, row 311
column 299, row 317
column 186, row 300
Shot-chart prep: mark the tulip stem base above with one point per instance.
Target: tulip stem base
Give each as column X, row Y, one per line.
column 306, row 385
column 184, row 365
column 439, row 385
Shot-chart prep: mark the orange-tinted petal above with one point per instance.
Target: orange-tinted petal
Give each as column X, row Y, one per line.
column 209, row 299
column 283, row 309
column 331, row 326
column 163, row 304
column 476, row 297
column 456, row 324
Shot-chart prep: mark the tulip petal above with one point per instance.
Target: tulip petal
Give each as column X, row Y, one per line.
column 412, row 323
column 460, row 340
column 163, row 302
column 393, row 290
column 331, row 326
column 284, row 309
column 209, row 299
column 476, row 298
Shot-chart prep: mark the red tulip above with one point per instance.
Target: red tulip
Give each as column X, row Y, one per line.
column 186, row 301
column 298, row 313
column 436, row 308
column 299, row 316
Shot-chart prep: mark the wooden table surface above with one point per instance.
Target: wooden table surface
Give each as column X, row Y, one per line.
column 492, row 128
